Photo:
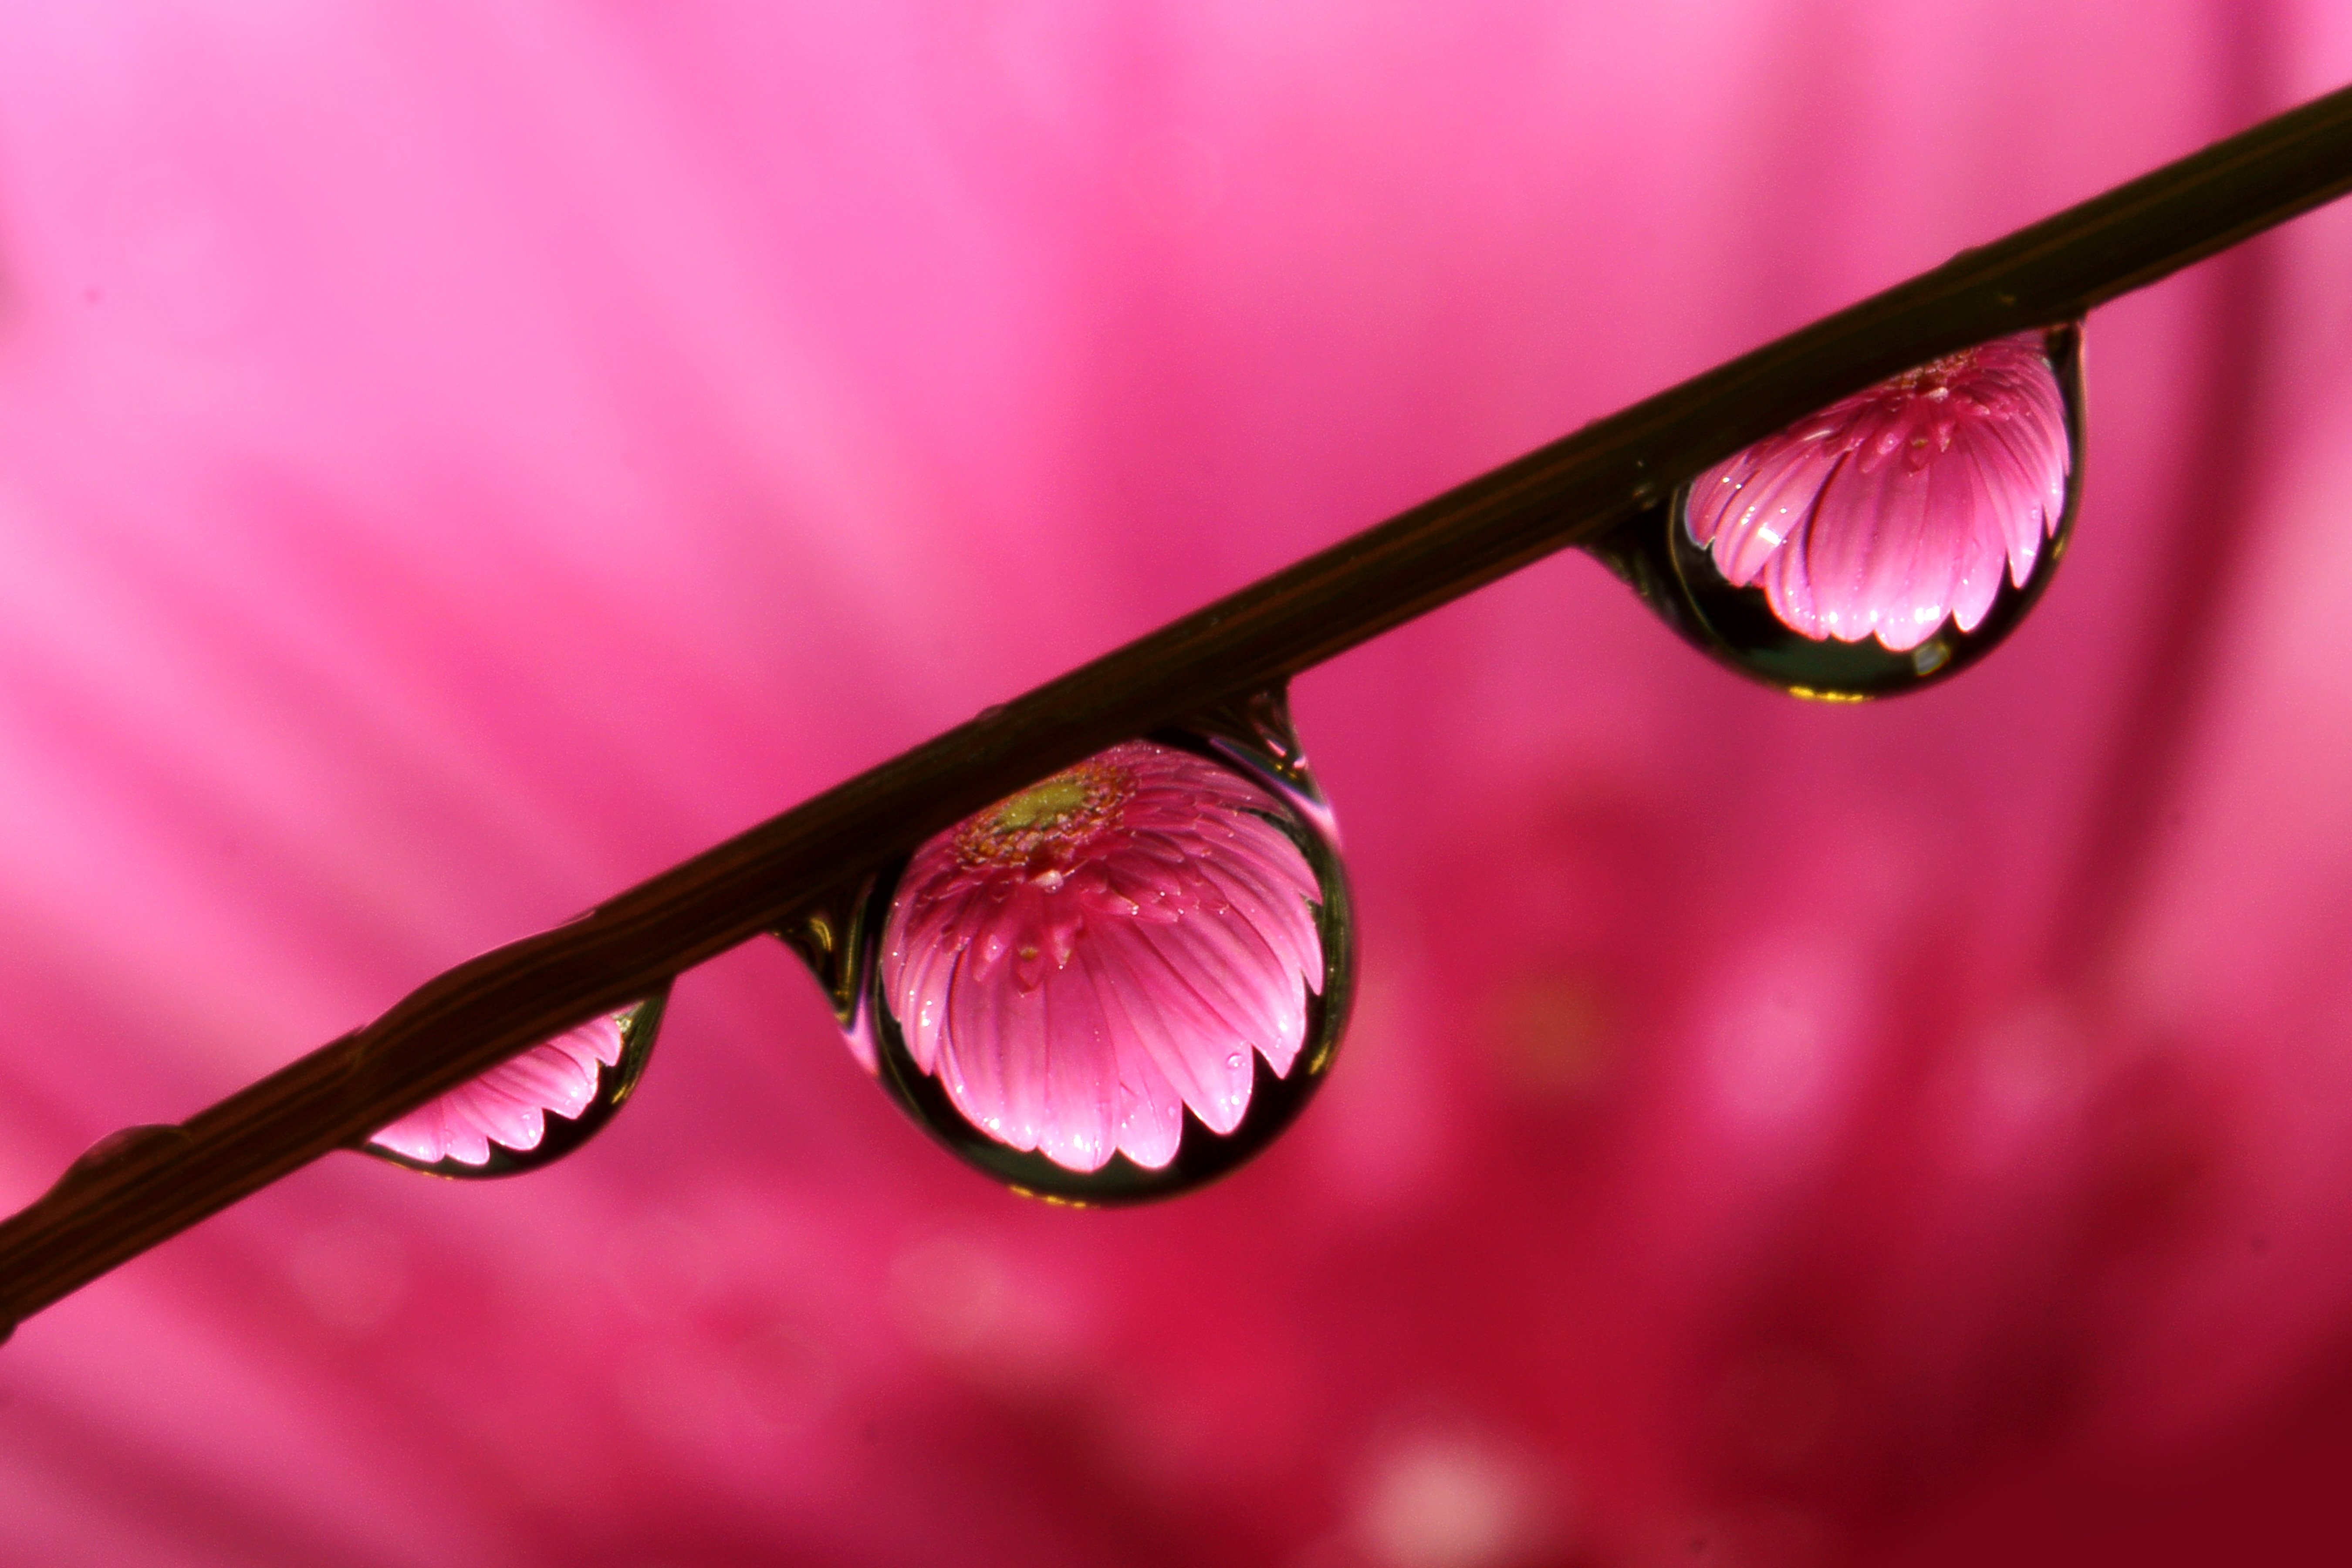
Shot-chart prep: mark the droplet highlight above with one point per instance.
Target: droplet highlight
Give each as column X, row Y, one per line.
column 1123, row 980
column 1890, row 541
column 531, row 1109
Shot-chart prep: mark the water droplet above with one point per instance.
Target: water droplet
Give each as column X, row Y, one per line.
column 533, row 1110
column 1889, row 541
column 118, row 1152
column 831, row 936
column 1125, row 980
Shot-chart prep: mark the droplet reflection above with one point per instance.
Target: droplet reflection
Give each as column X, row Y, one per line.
column 1889, row 541
column 531, row 1109
column 1124, row 980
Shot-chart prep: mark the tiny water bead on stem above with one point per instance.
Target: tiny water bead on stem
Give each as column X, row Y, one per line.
column 1889, row 540
column 1118, row 982
column 499, row 1124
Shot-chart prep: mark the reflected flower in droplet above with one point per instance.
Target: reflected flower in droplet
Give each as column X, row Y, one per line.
column 508, row 1104
column 1899, row 507
column 496, row 1123
column 1080, row 964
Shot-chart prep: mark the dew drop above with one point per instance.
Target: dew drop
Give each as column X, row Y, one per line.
column 1888, row 541
column 1123, row 980
column 127, row 1149
column 531, row 1110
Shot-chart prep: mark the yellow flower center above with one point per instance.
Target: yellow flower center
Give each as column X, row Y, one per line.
column 1935, row 378
column 1046, row 824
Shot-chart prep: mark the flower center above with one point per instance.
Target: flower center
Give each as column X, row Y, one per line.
column 1935, row 378
column 1045, row 826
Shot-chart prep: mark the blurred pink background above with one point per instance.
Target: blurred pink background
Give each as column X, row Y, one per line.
column 457, row 458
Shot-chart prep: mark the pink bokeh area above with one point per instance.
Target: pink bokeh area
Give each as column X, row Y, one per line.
column 457, row 459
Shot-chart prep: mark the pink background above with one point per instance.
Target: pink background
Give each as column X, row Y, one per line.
column 458, row 457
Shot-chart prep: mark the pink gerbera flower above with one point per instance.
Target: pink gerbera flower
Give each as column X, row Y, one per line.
column 1897, row 507
column 508, row 1104
column 1081, row 962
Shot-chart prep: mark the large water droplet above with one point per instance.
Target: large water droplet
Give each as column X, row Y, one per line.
column 533, row 1110
column 1127, row 978
column 1889, row 541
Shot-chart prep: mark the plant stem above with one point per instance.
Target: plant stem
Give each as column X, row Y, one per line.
column 141, row 1186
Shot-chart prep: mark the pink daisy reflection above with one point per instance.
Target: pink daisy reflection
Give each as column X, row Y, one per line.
column 508, row 1104
column 1898, row 507
column 1079, row 963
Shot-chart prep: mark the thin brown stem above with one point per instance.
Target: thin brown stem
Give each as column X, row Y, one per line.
column 139, row 1188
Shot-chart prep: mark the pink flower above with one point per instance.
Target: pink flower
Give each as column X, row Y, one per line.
column 1896, row 508
column 507, row 1104
column 1079, row 963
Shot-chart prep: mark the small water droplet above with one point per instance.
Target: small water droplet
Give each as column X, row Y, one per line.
column 1889, row 541
column 1123, row 980
column 118, row 1152
column 830, row 935
column 533, row 1110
